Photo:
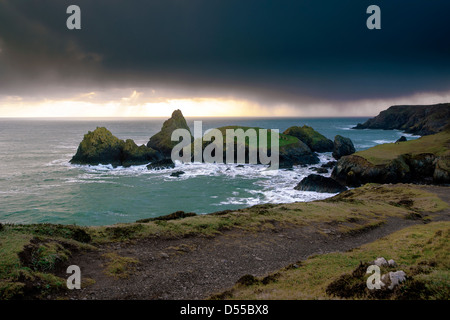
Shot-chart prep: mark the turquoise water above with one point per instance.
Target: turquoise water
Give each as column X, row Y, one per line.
column 37, row 183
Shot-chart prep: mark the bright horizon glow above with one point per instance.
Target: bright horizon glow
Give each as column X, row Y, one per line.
column 140, row 104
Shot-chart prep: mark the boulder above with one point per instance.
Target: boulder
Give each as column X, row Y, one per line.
column 319, row 183
column 177, row 174
column 381, row 262
column 161, row 165
column 401, row 139
column 329, row 164
column 441, row 172
column 342, row 147
column 393, row 279
column 297, row 153
column 392, row 263
column 320, row 170
column 102, row 147
column 162, row 140
column 313, row 139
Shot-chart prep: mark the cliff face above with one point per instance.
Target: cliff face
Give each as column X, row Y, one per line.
column 419, row 120
column 425, row 160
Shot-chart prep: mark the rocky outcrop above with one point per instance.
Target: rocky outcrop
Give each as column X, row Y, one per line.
column 102, row 147
column 161, row 165
column 296, row 153
column 133, row 154
column 313, row 139
column 342, row 147
column 162, row 141
column 354, row 170
column 318, row 183
column 292, row 151
column 401, row 139
column 419, row 120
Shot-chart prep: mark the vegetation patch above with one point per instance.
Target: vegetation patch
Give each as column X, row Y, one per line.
column 119, row 267
column 31, row 254
column 436, row 144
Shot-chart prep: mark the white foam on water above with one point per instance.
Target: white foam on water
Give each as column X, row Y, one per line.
column 271, row 186
column 408, row 135
column 383, row 141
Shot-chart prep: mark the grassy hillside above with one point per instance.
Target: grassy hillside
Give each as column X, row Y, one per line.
column 437, row 144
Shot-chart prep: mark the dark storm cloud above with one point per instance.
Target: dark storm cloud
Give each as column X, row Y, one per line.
column 279, row 50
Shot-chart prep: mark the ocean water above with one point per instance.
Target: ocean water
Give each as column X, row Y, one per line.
column 39, row 185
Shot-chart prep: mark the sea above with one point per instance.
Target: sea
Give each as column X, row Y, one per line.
column 39, row 185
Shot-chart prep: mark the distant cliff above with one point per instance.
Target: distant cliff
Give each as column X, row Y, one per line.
column 419, row 120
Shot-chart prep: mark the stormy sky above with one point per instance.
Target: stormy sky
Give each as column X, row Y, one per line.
column 300, row 57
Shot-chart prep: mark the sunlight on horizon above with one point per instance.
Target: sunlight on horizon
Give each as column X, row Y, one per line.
column 123, row 103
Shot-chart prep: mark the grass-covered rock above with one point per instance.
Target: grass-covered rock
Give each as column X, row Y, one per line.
column 102, row 147
column 292, row 151
column 313, row 139
column 162, row 140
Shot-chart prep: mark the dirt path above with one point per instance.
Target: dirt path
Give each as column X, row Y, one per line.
column 195, row 267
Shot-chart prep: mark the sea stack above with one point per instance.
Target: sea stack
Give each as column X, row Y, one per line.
column 162, row 140
column 102, row 147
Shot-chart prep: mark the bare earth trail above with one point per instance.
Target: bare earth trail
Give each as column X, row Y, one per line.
column 197, row 267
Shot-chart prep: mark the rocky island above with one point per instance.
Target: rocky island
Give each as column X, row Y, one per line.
column 297, row 146
column 102, row 147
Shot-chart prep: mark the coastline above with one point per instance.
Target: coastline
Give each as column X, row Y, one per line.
column 232, row 253
column 207, row 255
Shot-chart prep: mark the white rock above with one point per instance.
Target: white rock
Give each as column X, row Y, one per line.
column 396, row 278
column 381, row 262
column 392, row 263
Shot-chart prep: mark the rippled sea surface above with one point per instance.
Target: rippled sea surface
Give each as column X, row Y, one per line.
column 37, row 183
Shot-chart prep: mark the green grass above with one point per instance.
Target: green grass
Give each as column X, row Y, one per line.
column 422, row 251
column 284, row 139
column 118, row 266
column 437, row 144
column 46, row 245
column 306, row 134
